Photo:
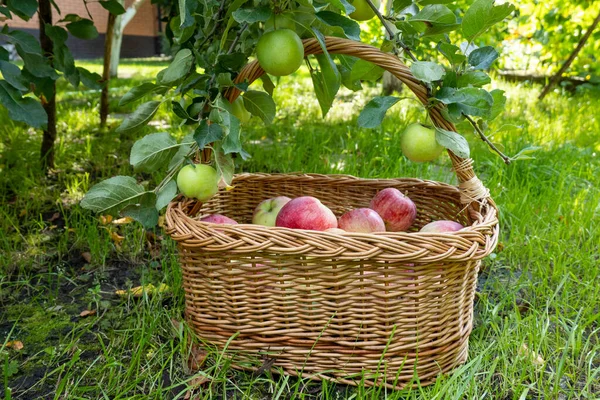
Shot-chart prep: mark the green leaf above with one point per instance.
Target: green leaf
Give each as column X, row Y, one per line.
column 23, row 109
column 6, row 12
column 252, row 14
column 267, row 84
column 470, row 101
column 482, row 15
column 427, row 71
column 83, row 29
column 12, row 74
column 25, row 41
column 231, row 143
column 185, row 146
column 63, row 59
column 453, row 141
column 224, row 163
column 37, row 65
column 152, row 152
column 483, row 57
column 91, row 80
column 144, row 210
column 342, row 5
column 350, row 27
column 179, row 68
column 25, row 9
column 231, row 62
column 450, row 52
column 112, row 195
column 435, row 14
column 260, row 104
column 180, row 111
column 365, row 71
column 499, row 103
column 473, row 78
column 113, row 7
column 326, row 82
column 167, row 193
column 139, row 118
column 400, row 5
column 138, row 92
column 208, row 133
column 372, row 115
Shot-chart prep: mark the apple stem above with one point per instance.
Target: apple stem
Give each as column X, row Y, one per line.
column 483, row 137
column 391, row 34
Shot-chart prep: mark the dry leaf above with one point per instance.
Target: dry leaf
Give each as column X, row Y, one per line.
column 87, row 256
column 87, row 313
column 105, row 219
column 15, row 344
column 199, row 381
column 138, row 291
column 23, row 213
column 196, row 358
column 535, row 358
column 54, row 217
column 116, row 238
column 161, row 221
column 123, row 221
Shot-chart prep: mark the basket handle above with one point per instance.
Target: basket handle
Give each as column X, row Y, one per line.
column 471, row 188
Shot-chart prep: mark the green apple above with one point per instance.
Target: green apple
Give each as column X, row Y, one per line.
column 199, row 181
column 238, row 109
column 266, row 212
column 418, row 143
column 280, row 52
column 363, row 11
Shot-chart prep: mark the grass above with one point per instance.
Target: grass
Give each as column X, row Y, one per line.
column 540, row 289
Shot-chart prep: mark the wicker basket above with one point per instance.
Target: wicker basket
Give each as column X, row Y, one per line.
column 377, row 308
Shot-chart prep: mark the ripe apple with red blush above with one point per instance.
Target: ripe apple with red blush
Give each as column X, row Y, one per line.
column 442, row 226
column 306, row 212
column 397, row 210
column 218, row 219
column 363, row 220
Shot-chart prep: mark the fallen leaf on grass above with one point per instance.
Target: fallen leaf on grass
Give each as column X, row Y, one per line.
column 196, row 359
column 87, row 313
column 116, row 238
column 87, row 256
column 105, row 219
column 123, row 221
column 54, row 217
column 161, row 221
column 139, row 291
column 15, row 344
column 23, row 213
column 535, row 358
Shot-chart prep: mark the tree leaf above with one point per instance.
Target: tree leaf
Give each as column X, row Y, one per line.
column 435, row 14
column 365, row 71
column 342, row 5
column 231, row 143
column 499, row 103
column 25, row 9
column 138, row 92
column 482, row 15
column 483, row 57
column 470, row 101
column 25, row 41
column 139, row 118
column 224, row 163
column 372, row 115
column 450, row 52
column 83, row 29
column 180, row 111
column 400, row 5
column 252, row 14
column 112, row 6
column 112, row 195
column 473, row 78
column 167, row 193
column 179, row 68
column 90, row 79
column 326, row 82
column 350, row 27
column 152, row 152
column 260, row 104
column 427, row 71
column 12, row 74
column 208, row 133
column 23, row 109
column 63, row 59
column 267, row 84
column 453, row 141
column 185, row 146
column 144, row 210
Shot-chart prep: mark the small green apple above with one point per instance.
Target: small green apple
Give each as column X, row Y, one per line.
column 280, row 52
column 418, row 143
column 239, row 110
column 363, row 11
column 199, row 181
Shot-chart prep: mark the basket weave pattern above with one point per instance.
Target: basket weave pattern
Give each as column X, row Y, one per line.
column 371, row 307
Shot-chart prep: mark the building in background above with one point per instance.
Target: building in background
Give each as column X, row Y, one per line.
column 140, row 38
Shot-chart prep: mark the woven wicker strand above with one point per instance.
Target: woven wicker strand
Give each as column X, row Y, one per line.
column 371, row 308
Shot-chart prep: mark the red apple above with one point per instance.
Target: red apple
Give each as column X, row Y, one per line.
column 397, row 210
column 442, row 226
column 306, row 213
column 218, row 219
column 362, row 220
column 266, row 212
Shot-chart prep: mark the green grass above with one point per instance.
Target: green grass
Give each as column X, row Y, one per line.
column 540, row 288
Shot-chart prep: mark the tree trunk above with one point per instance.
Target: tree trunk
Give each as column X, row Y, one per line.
column 119, row 27
column 108, row 43
column 47, row 150
column 571, row 58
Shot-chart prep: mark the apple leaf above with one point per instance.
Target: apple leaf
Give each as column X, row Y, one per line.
column 224, row 163
column 252, row 14
column 143, row 210
column 138, row 92
column 482, row 15
column 113, row 194
column 23, row 109
column 179, row 67
column 427, row 71
column 167, row 193
column 483, row 57
column 152, row 152
column 208, row 133
column 473, row 78
column 12, row 74
column 328, row 80
column 260, row 104
column 90, row 79
column 452, row 141
column 374, row 112
column 365, row 71
column 469, row 100
column 450, row 52
column 25, row 9
column 435, row 14
column 499, row 103
column 139, row 118
column 342, row 5
column 350, row 27
column 83, row 29
column 112, row 6
column 185, row 147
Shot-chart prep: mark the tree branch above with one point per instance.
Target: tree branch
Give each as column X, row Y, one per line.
column 504, row 157
column 391, row 34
